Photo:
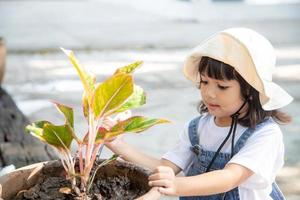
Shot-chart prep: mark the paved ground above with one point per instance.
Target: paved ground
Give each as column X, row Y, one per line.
column 31, row 25
column 107, row 35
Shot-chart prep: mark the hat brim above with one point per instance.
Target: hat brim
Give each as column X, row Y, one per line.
column 275, row 97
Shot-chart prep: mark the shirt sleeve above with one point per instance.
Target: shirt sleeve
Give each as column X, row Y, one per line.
column 263, row 154
column 181, row 155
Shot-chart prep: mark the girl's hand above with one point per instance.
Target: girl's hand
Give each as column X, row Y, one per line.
column 153, row 194
column 109, row 122
column 164, row 178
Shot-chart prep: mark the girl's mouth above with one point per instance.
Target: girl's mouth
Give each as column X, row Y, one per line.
column 212, row 106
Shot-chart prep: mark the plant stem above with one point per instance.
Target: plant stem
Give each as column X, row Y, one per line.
column 114, row 157
column 91, row 148
column 94, row 155
column 90, row 139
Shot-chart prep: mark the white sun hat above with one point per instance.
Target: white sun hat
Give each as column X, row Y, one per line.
column 251, row 55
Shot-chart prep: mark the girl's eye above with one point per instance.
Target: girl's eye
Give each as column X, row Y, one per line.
column 223, row 87
column 203, row 82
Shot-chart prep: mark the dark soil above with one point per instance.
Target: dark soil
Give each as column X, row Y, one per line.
column 116, row 181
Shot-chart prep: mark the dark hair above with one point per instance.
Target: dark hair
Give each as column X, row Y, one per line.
column 255, row 114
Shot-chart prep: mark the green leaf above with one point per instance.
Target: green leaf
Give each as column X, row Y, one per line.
column 112, row 93
column 138, row 123
column 87, row 79
column 137, row 99
column 134, row 124
column 58, row 136
column 36, row 129
column 129, row 68
column 67, row 112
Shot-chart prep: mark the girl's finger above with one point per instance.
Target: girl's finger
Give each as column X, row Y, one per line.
column 165, row 191
column 162, row 169
column 160, row 183
column 109, row 121
column 158, row 176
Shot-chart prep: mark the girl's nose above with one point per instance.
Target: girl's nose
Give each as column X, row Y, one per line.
column 211, row 93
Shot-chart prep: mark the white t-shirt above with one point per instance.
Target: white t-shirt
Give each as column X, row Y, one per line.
column 263, row 154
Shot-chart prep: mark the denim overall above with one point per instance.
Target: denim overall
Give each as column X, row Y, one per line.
column 202, row 159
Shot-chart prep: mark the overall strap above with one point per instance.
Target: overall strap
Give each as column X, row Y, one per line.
column 193, row 135
column 247, row 134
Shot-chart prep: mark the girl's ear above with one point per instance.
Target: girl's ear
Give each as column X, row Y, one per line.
column 250, row 93
column 250, row 98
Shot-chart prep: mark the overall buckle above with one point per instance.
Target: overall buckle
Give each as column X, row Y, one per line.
column 196, row 149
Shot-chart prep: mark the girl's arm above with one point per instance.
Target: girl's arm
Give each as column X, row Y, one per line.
column 218, row 181
column 131, row 154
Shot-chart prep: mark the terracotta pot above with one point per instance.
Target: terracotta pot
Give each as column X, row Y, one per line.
column 2, row 59
column 26, row 177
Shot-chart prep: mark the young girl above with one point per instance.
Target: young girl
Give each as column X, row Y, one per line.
column 234, row 149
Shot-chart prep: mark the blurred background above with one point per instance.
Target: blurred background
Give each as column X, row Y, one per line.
column 106, row 34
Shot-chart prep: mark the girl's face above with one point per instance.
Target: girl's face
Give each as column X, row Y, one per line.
column 221, row 97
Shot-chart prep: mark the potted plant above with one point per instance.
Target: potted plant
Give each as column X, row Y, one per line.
column 84, row 173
